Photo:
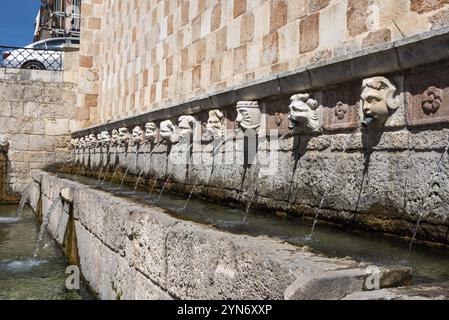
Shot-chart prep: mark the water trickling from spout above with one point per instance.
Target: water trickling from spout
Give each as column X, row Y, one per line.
column 327, row 190
column 23, row 201
column 163, row 188
column 154, row 185
column 424, row 199
column 123, row 178
column 166, row 181
column 99, row 174
column 197, row 179
column 138, row 180
column 106, row 172
column 114, row 174
column 55, row 204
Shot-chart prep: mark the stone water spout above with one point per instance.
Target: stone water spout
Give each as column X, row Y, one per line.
column 305, row 114
column 123, row 137
column 214, row 127
column 186, row 126
column 114, row 138
column 167, row 131
column 138, row 136
column 150, row 132
column 249, row 116
column 377, row 102
column 105, row 138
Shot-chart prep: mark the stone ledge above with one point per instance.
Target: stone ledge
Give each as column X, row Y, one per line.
column 24, row 75
column 400, row 55
column 182, row 256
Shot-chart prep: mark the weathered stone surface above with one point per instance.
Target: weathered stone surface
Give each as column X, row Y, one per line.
column 341, row 108
column 428, row 97
column 438, row 291
column 357, row 16
column 309, row 30
column 423, row 6
column 121, row 243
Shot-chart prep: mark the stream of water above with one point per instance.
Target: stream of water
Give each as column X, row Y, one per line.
column 23, row 277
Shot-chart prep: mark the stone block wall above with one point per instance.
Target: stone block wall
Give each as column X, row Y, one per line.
column 36, row 111
column 140, row 56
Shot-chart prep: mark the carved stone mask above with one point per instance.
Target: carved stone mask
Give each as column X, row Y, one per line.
column 72, row 144
column 167, row 130
column 105, row 138
column 99, row 142
column 186, row 125
column 83, row 143
column 150, row 132
column 123, row 137
column 138, row 136
column 92, row 141
column 305, row 114
column 114, row 138
column 214, row 126
column 248, row 115
column 377, row 101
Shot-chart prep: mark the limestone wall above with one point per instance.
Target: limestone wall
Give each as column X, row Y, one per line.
column 36, row 108
column 129, row 251
column 138, row 56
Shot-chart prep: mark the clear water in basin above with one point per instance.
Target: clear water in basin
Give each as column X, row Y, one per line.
column 429, row 264
column 21, row 276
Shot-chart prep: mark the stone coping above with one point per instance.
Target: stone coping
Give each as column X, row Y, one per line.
column 253, row 267
column 400, row 55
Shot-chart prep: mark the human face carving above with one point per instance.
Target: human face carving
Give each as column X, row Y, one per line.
column 105, row 138
column 114, row 137
column 138, row 136
column 185, row 125
column 214, row 125
column 167, row 130
column 123, row 136
column 248, row 115
column 377, row 101
column 150, row 132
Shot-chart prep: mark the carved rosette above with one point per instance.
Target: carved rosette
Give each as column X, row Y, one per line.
column 432, row 99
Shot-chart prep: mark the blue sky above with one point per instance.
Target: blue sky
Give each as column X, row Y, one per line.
column 17, row 21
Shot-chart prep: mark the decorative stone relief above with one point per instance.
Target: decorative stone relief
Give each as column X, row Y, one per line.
column 123, row 137
column 305, row 114
column 98, row 142
column 249, row 116
column 114, row 138
column 186, row 125
column 72, row 145
column 341, row 107
column 138, row 136
column 87, row 143
column 377, row 101
column 167, row 131
column 150, row 132
column 92, row 141
column 105, row 138
column 214, row 127
column 277, row 116
column 83, row 143
column 432, row 98
column 427, row 97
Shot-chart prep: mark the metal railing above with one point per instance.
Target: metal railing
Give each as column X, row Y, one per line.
column 29, row 58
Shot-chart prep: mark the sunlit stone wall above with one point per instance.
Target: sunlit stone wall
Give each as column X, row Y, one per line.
column 138, row 56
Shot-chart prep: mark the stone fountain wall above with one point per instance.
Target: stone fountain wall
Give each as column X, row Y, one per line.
column 36, row 111
column 379, row 181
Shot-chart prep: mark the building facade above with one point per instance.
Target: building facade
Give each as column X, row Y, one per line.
column 58, row 18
